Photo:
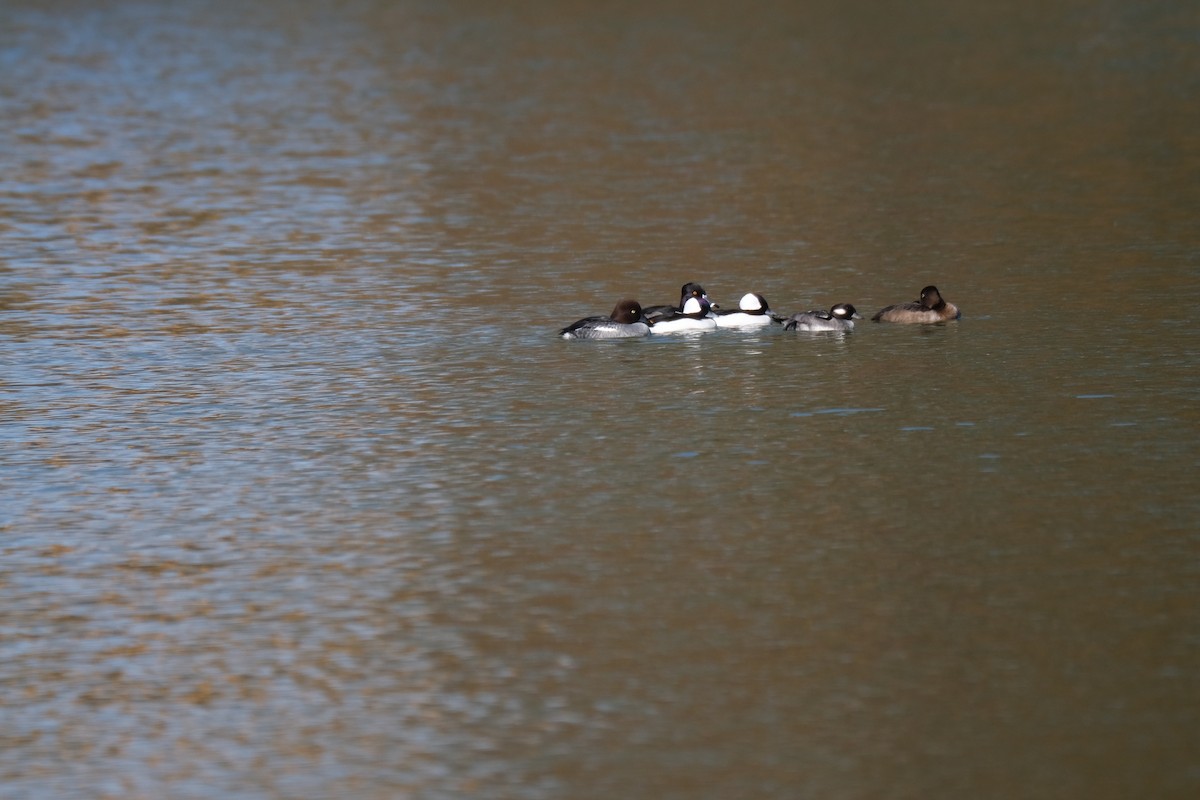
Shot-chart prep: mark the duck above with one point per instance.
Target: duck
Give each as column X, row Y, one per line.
column 839, row 318
column 693, row 290
column 752, row 312
column 694, row 317
column 930, row 308
column 627, row 321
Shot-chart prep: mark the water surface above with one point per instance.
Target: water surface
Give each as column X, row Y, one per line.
column 301, row 496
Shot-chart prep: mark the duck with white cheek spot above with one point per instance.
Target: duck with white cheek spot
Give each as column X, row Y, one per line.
column 839, row 318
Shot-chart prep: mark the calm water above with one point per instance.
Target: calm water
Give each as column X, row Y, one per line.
column 301, row 497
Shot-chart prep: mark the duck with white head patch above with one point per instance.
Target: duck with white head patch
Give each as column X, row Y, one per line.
column 689, row 290
column 693, row 318
column 752, row 312
column 839, row 318
column 625, row 322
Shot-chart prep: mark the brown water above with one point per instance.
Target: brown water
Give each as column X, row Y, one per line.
column 301, row 497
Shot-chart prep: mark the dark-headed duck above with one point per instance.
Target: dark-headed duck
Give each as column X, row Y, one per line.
column 930, row 308
column 625, row 322
column 839, row 318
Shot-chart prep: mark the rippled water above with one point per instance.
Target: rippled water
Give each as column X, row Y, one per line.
column 301, row 496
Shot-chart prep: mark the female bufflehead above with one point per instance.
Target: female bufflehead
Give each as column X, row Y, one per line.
column 752, row 312
column 839, row 318
column 930, row 308
column 693, row 317
column 694, row 290
column 625, row 322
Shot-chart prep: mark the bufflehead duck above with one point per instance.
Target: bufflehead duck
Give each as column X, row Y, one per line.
column 689, row 290
column 839, row 318
column 752, row 312
column 930, row 308
column 693, row 317
column 625, row 322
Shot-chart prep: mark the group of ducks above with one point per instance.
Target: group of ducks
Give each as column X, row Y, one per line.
column 696, row 312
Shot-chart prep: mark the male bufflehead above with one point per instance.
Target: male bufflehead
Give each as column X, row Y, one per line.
column 839, row 318
column 693, row 317
column 930, row 308
column 752, row 312
column 625, row 322
column 693, row 290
